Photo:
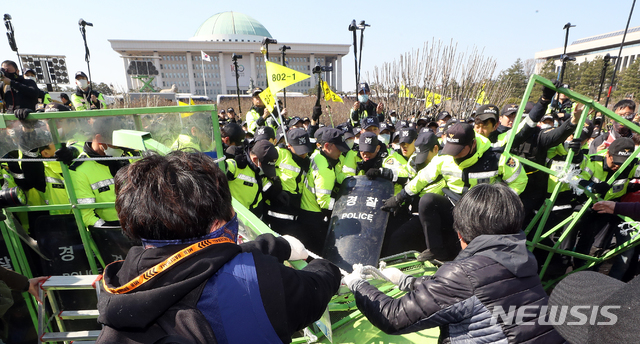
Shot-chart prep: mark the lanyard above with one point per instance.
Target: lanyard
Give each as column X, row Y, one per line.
column 166, row 264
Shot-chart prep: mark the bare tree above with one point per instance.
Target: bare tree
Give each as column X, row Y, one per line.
column 409, row 83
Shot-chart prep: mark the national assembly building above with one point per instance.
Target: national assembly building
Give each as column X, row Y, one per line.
column 180, row 63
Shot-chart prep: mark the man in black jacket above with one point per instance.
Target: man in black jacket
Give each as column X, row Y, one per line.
column 18, row 92
column 190, row 279
column 364, row 107
column 493, row 274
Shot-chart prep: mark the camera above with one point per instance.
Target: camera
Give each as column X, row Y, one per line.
column 1, row 74
column 353, row 26
column 320, row 69
column 12, row 197
column 268, row 40
column 235, row 57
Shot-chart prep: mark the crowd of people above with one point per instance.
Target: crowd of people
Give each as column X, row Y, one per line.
column 456, row 196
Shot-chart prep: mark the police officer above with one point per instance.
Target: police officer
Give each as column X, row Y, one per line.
column 466, row 160
column 258, row 113
column 407, row 142
column 443, row 118
column 66, row 101
column 43, row 97
column 93, row 180
column 375, row 160
column 265, row 133
column 85, row 97
column 250, row 175
column 404, row 229
column 195, row 135
column 562, row 107
column 231, row 115
column 291, row 168
column 600, row 167
column 425, row 149
column 318, row 197
column 18, row 92
column 233, row 139
column 364, row 107
column 496, row 125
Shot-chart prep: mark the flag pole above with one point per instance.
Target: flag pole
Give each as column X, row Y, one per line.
column 204, row 81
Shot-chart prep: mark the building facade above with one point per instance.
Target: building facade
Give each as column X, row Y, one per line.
column 587, row 49
column 180, row 63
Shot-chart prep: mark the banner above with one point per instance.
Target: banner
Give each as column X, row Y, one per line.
column 480, row 99
column 405, row 93
column 329, row 94
column 280, row 77
column 268, row 99
column 432, row 98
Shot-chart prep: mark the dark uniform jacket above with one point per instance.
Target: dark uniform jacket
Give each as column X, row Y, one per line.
column 21, row 94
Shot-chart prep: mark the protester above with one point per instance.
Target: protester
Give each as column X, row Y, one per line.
column 17, row 282
column 494, row 269
column 210, row 288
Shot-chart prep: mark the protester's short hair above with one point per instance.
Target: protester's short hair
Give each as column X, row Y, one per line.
column 625, row 103
column 11, row 63
column 488, row 209
column 178, row 196
column 477, row 121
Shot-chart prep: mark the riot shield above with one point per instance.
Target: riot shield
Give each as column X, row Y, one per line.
column 112, row 244
column 357, row 225
column 58, row 239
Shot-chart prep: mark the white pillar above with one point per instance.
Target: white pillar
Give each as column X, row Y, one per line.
column 223, row 69
column 338, row 71
column 254, row 73
column 126, row 66
column 156, row 62
column 192, row 84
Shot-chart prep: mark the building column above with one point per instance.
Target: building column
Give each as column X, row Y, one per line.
column 223, row 70
column 338, row 70
column 254, row 73
column 126, row 66
column 156, row 62
column 333, row 73
column 192, row 84
column 312, row 62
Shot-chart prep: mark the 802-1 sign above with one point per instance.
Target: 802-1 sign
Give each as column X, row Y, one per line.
column 282, row 77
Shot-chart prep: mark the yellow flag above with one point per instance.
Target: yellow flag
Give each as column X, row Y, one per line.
column 281, row 76
column 186, row 114
column 329, row 95
column 480, row 99
column 405, row 93
column 268, row 99
column 432, row 98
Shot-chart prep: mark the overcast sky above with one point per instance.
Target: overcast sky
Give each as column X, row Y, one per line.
column 507, row 30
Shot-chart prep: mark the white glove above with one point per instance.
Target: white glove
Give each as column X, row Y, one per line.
column 298, row 251
column 354, row 279
column 393, row 274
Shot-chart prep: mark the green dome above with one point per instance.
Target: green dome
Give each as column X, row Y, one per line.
column 230, row 26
